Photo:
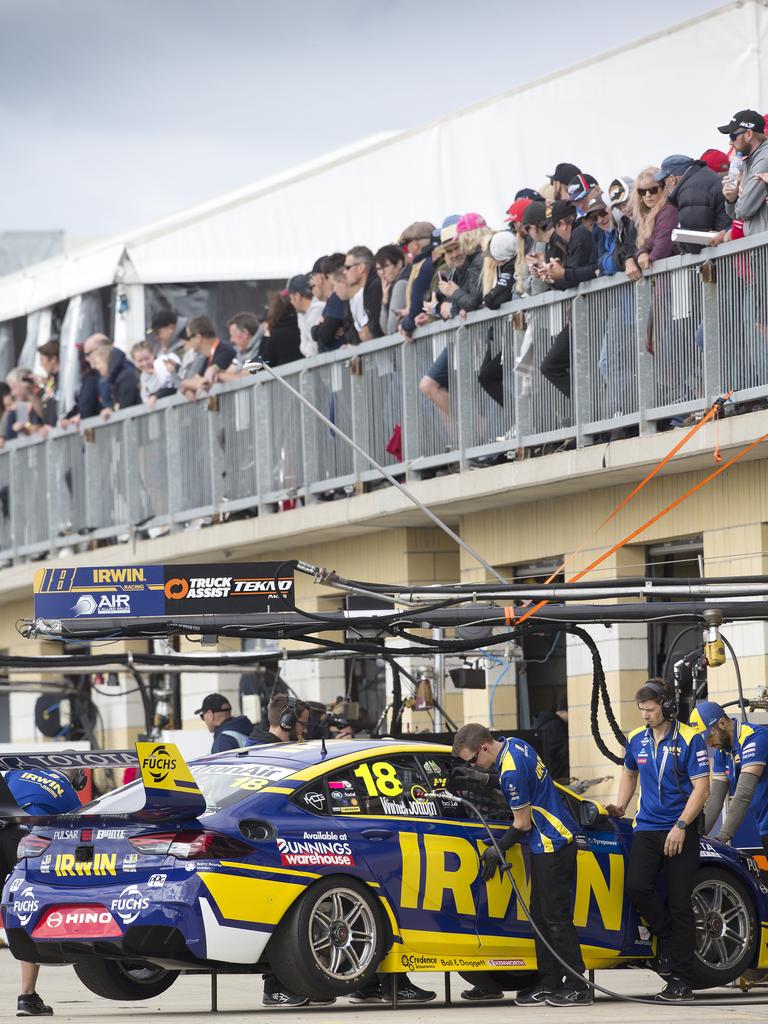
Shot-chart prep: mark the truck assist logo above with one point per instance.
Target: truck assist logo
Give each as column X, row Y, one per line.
column 196, row 587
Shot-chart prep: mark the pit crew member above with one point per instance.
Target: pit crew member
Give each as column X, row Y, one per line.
column 36, row 791
column 741, row 752
column 670, row 760
column 541, row 821
column 229, row 732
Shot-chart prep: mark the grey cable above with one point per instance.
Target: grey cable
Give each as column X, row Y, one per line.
column 255, row 366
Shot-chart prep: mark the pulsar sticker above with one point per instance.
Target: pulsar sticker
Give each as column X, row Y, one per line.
column 66, row 833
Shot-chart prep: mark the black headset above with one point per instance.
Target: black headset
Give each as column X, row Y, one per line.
column 668, row 703
column 289, row 717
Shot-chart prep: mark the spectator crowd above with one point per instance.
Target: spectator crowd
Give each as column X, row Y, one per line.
column 569, row 230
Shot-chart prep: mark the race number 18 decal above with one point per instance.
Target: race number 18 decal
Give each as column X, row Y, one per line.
column 379, row 777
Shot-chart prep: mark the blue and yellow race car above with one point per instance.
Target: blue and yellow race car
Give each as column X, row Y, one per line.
column 323, row 866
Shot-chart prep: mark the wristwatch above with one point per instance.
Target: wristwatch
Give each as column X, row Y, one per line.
column 681, row 824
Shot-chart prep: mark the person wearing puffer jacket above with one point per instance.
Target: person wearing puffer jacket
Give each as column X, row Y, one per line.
column 697, row 194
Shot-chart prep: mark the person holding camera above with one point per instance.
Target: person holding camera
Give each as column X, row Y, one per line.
column 670, row 761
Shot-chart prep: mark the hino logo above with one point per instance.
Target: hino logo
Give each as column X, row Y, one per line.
column 129, row 904
column 55, row 920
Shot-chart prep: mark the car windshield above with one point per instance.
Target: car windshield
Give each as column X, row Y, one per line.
column 221, row 784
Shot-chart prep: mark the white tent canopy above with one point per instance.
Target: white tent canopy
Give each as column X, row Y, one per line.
column 611, row 115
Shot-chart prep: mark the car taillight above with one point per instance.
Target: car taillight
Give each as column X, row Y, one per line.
column 190, row 845
column 32, row 846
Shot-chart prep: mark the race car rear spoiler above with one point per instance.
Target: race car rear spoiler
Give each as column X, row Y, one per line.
column 170, row 789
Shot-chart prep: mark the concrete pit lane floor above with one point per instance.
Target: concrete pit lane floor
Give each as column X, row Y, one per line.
column 239, row 998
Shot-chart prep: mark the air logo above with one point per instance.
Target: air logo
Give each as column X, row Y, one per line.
column 108, row 604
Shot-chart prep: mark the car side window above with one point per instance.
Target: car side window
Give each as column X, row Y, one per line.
column 489, row 800
column 386, row 786
column 314, row 798
column 437, row 769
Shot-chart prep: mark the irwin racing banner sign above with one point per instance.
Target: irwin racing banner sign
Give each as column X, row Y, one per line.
column 155, row 591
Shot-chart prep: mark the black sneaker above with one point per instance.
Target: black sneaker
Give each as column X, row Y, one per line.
column 478, row 994
column 661, row 962
column 276, row 995
column 676, row 991
column 32, row 1006
column 570, row 997
column 372, row 993
column 535, row 995
column 407, row 992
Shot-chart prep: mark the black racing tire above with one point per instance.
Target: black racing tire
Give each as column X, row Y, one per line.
column 726, row 928
column 331, row 941
column 124, row 979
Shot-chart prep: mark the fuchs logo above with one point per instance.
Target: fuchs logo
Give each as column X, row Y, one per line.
column 85, row 605
column 159, row 764
column 25, row 906
column 129, row 904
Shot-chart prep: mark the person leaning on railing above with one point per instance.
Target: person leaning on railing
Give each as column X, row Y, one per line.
column 654, row 218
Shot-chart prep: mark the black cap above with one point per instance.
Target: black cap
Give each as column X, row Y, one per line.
column 561, row 210
column 743, row 120
column 317, row 266
column 214, row 702
column 529, row 193
column 300, row 283
column 580, row 185
column 165, row 318
column 535, row 213
column 564, row 173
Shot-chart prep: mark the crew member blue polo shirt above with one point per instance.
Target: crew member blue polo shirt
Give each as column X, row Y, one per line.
column 750, row 747
column 666, row 773
column 39, row 791
column 524, row 780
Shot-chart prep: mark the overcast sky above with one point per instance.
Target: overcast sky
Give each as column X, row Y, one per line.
column 116, row 112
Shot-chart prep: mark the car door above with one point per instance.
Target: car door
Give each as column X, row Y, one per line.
column 423, row 862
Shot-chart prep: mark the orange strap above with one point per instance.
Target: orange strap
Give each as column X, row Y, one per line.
column 649, row 522
column 713, row 412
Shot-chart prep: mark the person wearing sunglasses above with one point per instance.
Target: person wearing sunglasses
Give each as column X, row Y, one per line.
column 540, row 821
column 696, row 192
column 748, row 201
column 654, row 218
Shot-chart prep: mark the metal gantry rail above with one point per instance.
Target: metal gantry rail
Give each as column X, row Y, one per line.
column 692, row 328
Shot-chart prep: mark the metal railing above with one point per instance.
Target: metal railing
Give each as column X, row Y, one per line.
column 666, row 346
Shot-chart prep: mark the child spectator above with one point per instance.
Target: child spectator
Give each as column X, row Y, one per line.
column 159, row 375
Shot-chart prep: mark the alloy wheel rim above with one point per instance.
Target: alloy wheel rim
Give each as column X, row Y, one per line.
column 723, row 927
column 342, row 934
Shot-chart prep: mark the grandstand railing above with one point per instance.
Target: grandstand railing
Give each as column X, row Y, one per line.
column 692, row 328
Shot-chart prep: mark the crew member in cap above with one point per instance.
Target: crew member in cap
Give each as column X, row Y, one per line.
column 748, row 201
column 37, row 791
column 738, row 768
column 670, row 761
column 229, row 732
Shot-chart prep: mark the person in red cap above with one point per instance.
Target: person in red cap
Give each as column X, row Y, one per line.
column 716, row 161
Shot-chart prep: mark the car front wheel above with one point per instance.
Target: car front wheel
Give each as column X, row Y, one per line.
column 726, row 928
column 331, row 941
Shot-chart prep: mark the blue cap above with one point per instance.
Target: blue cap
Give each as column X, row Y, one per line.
column 676, row 164
column 452, row 218
column 705, row 715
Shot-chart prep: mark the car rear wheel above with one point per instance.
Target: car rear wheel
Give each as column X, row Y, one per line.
column 726, row 928
column 124, row 979
column 331, row 942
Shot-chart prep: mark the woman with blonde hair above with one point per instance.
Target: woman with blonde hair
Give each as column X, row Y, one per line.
column 654, row 218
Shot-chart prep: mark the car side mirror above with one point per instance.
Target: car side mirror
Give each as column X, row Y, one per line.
column 589, row 814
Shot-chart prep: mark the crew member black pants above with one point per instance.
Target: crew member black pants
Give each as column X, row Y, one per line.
column 671, row 920
column 553, row 877
column 556, row 364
